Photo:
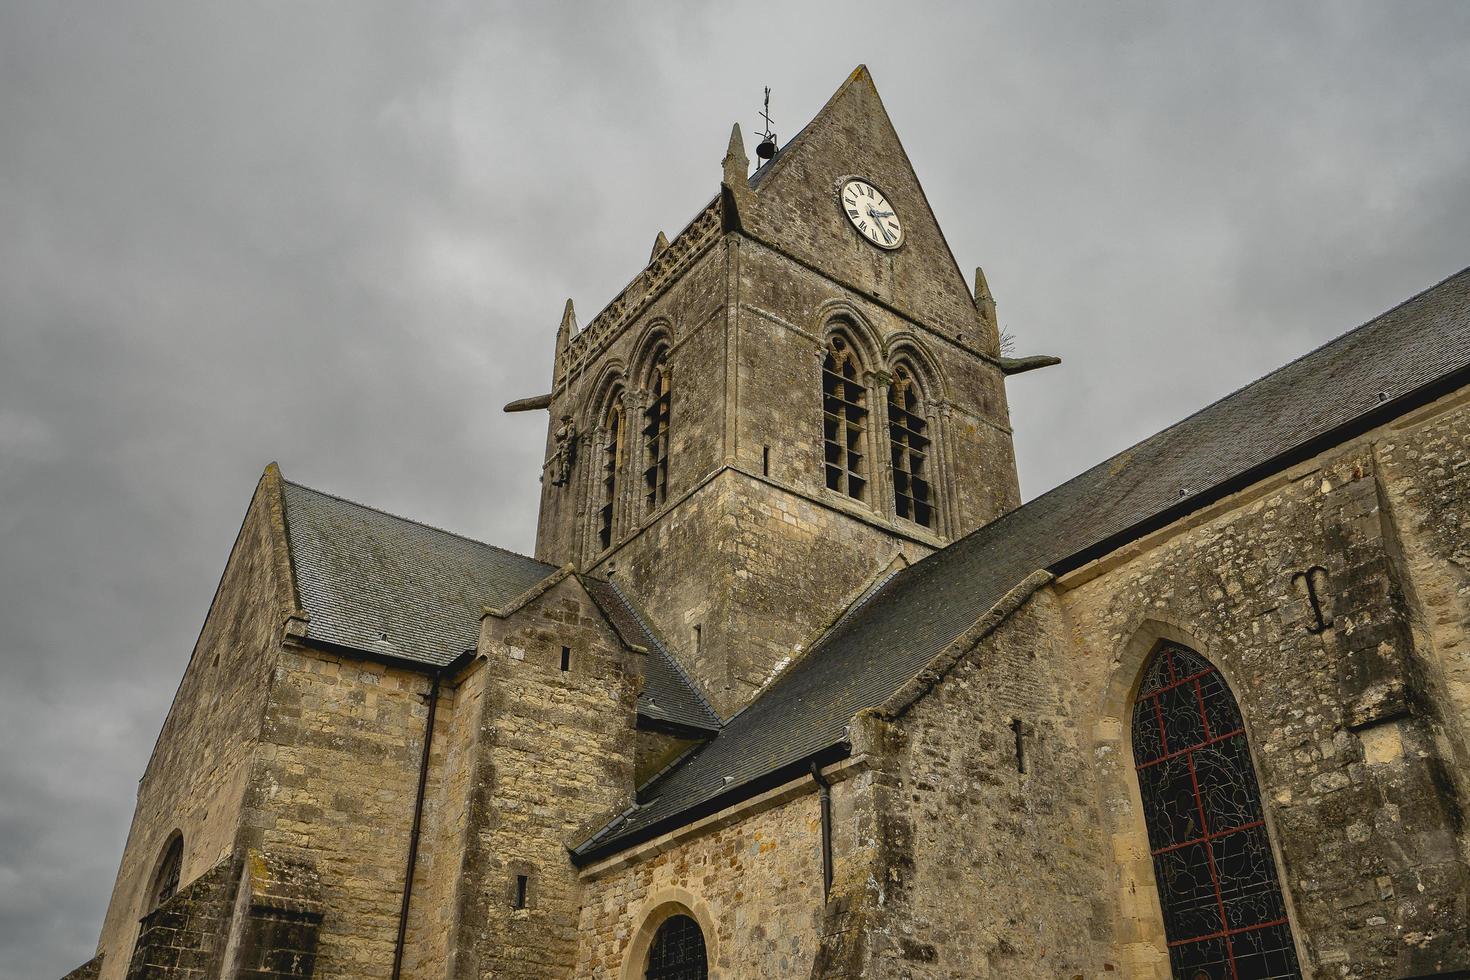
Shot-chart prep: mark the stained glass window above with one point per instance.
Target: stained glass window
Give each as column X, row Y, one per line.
column 677, row 952
column 1223, row 910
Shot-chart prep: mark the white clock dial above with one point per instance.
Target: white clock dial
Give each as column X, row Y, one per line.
column 871, row 214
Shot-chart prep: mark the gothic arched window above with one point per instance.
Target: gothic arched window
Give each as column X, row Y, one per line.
column 844, row 421
column 656, row 435
column 165, row 881
column 913, row 495
column 612, row 465
column 1224, row 914
column 677, row 952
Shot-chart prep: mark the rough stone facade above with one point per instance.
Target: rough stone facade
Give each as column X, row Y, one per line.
column 200, row 771
column 360, row 811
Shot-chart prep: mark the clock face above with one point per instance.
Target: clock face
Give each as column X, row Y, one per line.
column 871, row 214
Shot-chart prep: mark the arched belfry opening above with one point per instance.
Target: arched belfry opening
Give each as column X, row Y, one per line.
column 844, row 419
column 909, row 441
column 611, row 437
column 1224, row 913
column 677, row 952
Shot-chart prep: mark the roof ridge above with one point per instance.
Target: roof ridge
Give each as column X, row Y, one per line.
column 410, row 520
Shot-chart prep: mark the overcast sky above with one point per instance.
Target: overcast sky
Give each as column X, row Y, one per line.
column 340, row 237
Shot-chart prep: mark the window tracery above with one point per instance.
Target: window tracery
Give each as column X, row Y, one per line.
column 1224, row 913
column 656, row 435
column 844, row 420
column 913, row 494
column 678, row 951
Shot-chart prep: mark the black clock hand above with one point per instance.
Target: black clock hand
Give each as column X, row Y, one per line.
column 877, row 221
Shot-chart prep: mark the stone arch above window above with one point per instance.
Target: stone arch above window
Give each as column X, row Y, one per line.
column 661, row 907
column 656, row 421
column 1224, row 911
column 910, row 445
column 164, row 883
column 844, row 418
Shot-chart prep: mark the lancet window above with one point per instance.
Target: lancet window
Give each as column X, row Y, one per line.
column 677, row 952
column 612, row 466
column 844, row 421
column 166, row 877
column 656, row 435
column 913, row 494
column 1224, row 914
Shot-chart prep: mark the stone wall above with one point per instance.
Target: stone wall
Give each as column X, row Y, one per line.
column 196, row 778
column 785, row 312
column 755, row 888
column 1351, row 761
column 449, row 803
column 958, row 851
column 184, row 938
column 334, row 788
column 1424, row 493
column 555, row 758
column 89, row 970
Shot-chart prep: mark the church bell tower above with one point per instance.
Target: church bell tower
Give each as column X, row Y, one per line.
column 798, row 391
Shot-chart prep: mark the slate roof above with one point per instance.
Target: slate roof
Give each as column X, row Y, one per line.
column 1360, row 379
column 668, row 695
column 389, row 586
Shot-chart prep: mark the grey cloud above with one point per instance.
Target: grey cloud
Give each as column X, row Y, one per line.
column 340, row 236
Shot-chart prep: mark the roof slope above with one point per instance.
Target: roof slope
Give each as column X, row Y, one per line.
column 668, row 695
column 1361, row 378
column 389, row 586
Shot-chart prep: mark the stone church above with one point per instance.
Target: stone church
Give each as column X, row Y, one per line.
column 794, row 685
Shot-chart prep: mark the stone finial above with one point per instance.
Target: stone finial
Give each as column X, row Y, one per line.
column 568, row 328
column 985, row 319
column 982, row 291
column 737, row 164
column 735, row 186
column 659, row 244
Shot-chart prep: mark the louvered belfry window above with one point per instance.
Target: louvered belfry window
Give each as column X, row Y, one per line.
column 913, row 495
column 1224, row 914
column 844, row 421
column 677, row 952
column 656, row 437
column 612, row 465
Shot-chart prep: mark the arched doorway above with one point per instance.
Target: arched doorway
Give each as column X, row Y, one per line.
column 677, row 952
column 1224, row 914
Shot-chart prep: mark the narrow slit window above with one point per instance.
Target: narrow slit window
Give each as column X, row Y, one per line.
column 844, row 421
column 656, row 436
column 913, row 494
column 765, row 461
column 566, row 658
column 523, row 885
column 612, row 464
